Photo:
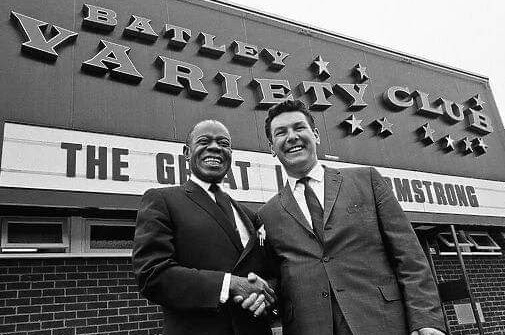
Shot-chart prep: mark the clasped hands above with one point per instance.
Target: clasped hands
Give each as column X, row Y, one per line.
column 253, row 293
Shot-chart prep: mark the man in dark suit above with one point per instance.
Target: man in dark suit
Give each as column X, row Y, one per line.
column 348, row 259
column 195, row 247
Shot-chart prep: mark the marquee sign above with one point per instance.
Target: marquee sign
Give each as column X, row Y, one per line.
column 177, row 75
column 58, row 159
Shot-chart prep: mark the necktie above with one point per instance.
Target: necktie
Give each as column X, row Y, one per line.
column 224, row 203
column 315, row 208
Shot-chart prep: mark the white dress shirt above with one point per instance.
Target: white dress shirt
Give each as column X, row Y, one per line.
column 316, row 181
column 241, row 228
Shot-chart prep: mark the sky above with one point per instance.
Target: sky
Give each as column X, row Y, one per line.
column 464, row 34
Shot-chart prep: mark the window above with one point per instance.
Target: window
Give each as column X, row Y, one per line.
column 482, row 241
column 471, row 243
column 34, row 235
column 106, row 236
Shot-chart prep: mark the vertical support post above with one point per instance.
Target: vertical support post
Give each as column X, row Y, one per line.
column 434, row 272
column 467, row 282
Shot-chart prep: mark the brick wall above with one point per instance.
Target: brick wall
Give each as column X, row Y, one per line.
column 487, row 280
column 73, row 296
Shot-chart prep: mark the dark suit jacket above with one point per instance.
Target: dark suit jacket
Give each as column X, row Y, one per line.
column 370, row 259
column 183, row 247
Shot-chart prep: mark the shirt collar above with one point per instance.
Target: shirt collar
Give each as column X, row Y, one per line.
column 203, row 184
column 317, row 173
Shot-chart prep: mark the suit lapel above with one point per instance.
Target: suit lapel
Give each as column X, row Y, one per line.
column 250, row 229
column 332, row 183
column 289, row 203
column 202, row 199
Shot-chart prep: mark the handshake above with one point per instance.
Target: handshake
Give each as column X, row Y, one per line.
column 253, row 293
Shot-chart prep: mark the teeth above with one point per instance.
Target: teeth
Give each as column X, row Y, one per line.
column 212, row 160
column 295, row 149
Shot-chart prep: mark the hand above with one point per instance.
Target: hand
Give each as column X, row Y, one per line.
column 256, row 303
column 427, row 331
column 241, row 287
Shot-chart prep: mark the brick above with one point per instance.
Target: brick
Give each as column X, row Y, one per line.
column 20, row 270
column 75, row 307
column 29, row 293
column 7, row 311
column 68, row 331
column 108, row 312
column 86, row 330
column 107, row 282
column 16, row 319
column 52, row 324
column 9, row 278
column 53, row 308
column 66, row 268
column 8, row 294
column 65, row 315
column 87, row 282
column 66, row 283
column 137, row 317
column 108, row 328
column 76, row 291
column 29, row 309
column 42, row 301
column 77, row 275
column 31, row 277
column 75, row 323
column 87, row 298
column 43, row 284
column 98, row 275
column 129, row 326
column 97, row 290
column 133, row 303
column 118, row 319
column 28, row 326
column 108, row 297
column 52, row 292
column 89, row 313
column 139, row 332
column 43, row 269
column 65, row 300
column 18, row 286
column 128, row 310
column 6, row 328
column 40, row 332
column 148, row 324
column 117, row 304
column 97, row 321
column 17, row 302
column 41, row 317
column 97, row 305
column 118, row 289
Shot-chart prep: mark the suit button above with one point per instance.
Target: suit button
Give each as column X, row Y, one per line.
column 325, row 294
column 326, row 259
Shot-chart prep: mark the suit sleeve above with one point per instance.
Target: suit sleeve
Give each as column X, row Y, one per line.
column 413, row 271
column 160, row 278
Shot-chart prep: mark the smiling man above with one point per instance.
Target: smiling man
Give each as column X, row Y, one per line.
column 348, row 259
column 195, row 248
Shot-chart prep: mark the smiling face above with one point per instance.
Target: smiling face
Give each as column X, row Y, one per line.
column 209, row 151
column 294, row 142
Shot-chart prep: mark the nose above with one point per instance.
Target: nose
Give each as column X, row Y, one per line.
column 213, row 145
column 292, row 135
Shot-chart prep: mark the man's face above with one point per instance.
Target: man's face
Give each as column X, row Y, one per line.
column 209, row 152
column 294, row 142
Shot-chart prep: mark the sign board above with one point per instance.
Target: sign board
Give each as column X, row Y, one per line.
column 59, row 159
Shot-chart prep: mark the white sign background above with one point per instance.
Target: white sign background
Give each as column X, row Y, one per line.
column 32, row 157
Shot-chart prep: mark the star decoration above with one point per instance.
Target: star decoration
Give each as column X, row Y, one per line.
column 449, row 143
column 361, row 71
column 467, row 145
column 385, row 126
column 480, row 145
column 477, row 102
column 428, row 133
column 322, row 67
column 355, row 124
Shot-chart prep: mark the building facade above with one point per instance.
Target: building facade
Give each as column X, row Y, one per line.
column 97, row 100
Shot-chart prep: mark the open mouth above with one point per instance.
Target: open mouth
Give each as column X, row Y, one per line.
column 213, row 161
column 294, row 149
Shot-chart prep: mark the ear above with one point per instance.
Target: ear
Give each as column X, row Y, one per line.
column 272, row 149
column 186, row 152
column 316, row 135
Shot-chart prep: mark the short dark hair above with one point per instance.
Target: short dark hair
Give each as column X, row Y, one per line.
column 189, row 136
column 287, row 106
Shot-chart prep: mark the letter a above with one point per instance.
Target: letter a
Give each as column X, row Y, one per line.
column 37, row 43
column 113, row 57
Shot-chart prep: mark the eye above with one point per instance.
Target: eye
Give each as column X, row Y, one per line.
column 224, row 143
column 202, row 141
column 279, row 132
